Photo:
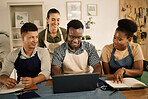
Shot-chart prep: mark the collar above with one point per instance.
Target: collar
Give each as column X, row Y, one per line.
column 49, row 36
column 24, row 54
column 81, row 47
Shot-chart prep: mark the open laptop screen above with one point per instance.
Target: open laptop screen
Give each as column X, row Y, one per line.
column 75, row 83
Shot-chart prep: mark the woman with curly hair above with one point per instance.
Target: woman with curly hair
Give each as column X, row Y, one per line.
column 123, row 57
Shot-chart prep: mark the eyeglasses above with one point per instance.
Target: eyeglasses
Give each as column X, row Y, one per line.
column 74, row 37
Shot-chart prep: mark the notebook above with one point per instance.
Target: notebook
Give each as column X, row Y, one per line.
column 75, row 83
column 128, row 83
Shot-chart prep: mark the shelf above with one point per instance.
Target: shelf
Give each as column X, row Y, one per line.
column 35, row 12
column 39, row 27
column 15, row 28
column 17, row 39
column 17, row 47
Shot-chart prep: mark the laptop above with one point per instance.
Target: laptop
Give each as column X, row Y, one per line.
column 75, row 83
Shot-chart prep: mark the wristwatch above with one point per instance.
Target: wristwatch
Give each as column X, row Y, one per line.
column 124, row 70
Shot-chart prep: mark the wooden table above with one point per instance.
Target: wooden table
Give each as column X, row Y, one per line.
column 136, row 94
column 129, row 94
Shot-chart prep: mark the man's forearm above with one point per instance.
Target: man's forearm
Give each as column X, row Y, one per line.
column 97, row 68
column 38, row 79
column 56, row 70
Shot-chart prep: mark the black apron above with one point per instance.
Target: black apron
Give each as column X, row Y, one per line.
column 29, row 67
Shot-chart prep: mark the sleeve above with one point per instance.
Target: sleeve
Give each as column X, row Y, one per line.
column 93, row 57
column 8, row 64
column 64, row 32
column 58, row 57
column 105, row 55
column 40, row 40
column 45, row 63
column 138, row 55
column 4, row 45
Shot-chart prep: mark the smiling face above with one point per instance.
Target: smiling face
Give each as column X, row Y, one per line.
column 30, row 39
column 53, row 20
column 75, row 38
column 120, row 40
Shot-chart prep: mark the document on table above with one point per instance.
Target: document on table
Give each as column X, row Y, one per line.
column 4, row 90
column 128, row 83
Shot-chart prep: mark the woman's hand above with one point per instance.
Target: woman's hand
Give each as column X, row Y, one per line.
column 118, row 75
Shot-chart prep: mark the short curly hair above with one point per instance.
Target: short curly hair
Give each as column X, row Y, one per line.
column 127, row 26
column 76, row 24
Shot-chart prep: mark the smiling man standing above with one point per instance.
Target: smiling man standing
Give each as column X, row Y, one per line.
column 31, row 63
column 75, row 56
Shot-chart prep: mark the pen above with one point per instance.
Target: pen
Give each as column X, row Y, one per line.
column 115, row 91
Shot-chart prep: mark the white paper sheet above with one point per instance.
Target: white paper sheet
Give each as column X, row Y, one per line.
column 4, row 90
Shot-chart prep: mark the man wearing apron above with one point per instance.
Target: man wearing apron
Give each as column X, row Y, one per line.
column 123, row 57
column 75, row 56
column 31, row 63
column 53, row 35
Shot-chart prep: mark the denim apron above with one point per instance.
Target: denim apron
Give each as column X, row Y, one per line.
column 126, row 62
column 30, row 67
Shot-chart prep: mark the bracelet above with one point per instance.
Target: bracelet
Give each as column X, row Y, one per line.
column 124, row 70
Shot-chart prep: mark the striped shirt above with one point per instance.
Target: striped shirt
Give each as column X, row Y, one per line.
column 60, row 52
